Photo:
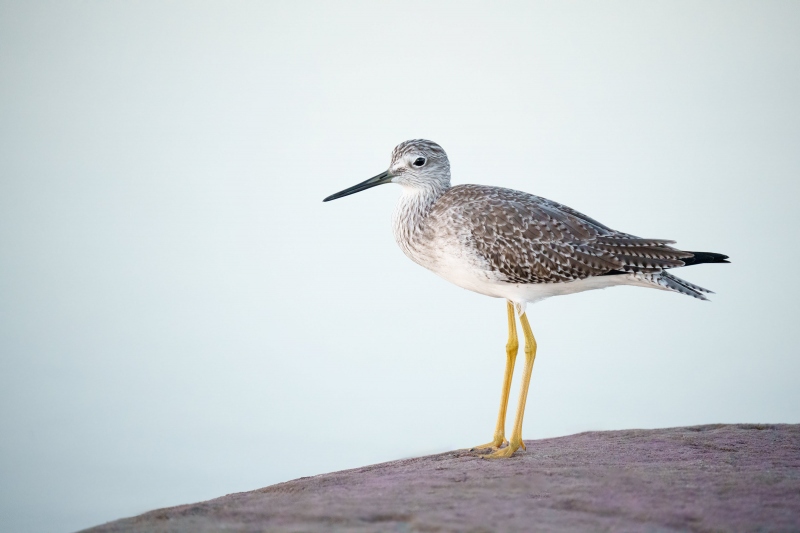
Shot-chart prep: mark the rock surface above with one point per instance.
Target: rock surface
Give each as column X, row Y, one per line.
column 705, row 478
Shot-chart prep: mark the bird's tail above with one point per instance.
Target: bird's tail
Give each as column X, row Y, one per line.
column 673, row 283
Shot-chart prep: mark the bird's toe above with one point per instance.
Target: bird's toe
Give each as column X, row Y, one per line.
column 503, row 453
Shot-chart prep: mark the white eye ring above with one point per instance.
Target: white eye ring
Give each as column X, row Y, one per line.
column 420, row 161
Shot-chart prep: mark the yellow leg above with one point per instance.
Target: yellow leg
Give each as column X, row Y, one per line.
column 512, row 347
column 516, row 433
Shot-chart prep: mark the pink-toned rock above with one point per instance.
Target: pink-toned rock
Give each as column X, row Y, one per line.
column 706, row 478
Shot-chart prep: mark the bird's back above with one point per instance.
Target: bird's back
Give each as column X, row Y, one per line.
column 516, row 237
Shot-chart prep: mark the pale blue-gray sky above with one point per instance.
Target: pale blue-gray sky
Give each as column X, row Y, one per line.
column 182, row 317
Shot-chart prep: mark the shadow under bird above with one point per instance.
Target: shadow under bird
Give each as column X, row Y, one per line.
column 514, row 245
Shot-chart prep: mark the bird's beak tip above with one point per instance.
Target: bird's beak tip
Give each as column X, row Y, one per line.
column 380, row 179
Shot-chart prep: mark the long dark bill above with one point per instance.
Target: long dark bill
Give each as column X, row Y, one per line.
column 380, row 179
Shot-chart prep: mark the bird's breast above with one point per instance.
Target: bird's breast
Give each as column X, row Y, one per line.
column 413, row 232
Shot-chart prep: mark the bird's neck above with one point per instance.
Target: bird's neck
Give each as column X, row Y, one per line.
column 412, row 209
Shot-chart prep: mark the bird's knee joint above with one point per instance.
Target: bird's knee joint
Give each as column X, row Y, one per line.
column 530, row 349
column 512, row 347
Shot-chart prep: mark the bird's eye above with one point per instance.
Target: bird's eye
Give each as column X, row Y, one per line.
column 419, row 161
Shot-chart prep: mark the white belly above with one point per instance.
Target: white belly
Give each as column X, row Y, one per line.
column 522, row 294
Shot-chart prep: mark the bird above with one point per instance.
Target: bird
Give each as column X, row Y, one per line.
column 514, row 245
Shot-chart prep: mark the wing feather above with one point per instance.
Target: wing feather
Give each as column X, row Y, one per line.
column 528, row 239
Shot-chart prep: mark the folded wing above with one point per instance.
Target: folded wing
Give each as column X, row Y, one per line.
column 529, row 239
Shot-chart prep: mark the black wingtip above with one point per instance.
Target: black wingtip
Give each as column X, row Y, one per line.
column 699, row 258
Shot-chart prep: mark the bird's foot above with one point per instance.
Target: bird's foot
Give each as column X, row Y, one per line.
column 498, row 441
column 508, row 451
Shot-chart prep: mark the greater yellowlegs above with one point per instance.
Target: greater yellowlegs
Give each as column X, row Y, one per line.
column 514, row 245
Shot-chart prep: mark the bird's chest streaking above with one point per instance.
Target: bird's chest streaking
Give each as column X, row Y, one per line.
column 410, row 230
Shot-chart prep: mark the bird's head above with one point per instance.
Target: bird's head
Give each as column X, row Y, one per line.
column 416, row 164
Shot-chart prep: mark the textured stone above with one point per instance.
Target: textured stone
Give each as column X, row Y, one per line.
column 706, row 478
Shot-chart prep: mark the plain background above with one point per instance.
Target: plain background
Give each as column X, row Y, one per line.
column 181, row 316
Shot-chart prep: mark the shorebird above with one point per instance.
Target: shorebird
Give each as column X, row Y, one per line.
column 514, row 245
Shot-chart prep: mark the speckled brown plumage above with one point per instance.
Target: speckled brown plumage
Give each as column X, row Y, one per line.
column 529, row 239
